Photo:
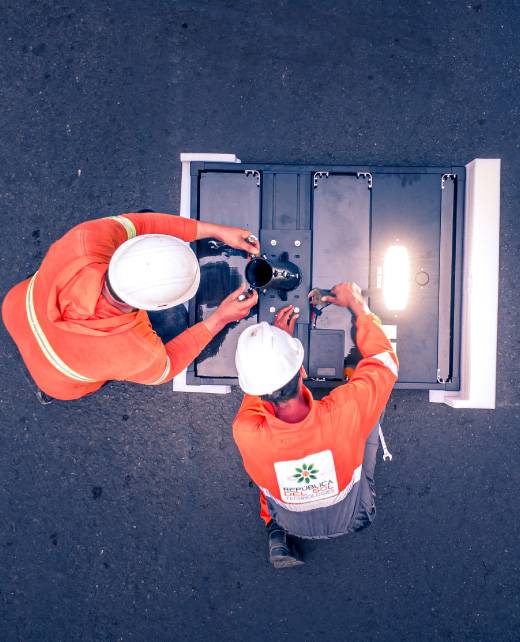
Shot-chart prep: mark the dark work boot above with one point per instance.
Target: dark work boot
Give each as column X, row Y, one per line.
column 282, row 554
column 42, row 397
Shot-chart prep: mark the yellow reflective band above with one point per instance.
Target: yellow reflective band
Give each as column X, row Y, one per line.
column 43, row 342
column 127, row 224
column 164, row 374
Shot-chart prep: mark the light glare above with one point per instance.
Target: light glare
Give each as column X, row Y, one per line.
column 396, row 277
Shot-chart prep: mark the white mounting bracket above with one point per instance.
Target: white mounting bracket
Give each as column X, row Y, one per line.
column 480, row 274
column 179, row 382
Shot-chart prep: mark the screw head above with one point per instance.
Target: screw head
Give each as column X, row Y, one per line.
column 297, row 243
column 272, row 309
column 274, row 242
column 422, row 278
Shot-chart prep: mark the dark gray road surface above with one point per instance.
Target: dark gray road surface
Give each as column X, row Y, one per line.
column 127, row 516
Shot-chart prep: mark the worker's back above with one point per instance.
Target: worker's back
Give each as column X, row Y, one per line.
column 311, row 471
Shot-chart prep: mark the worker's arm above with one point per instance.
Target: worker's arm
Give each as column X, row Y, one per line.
column 103, row 236
column 165, row 361
column 189, row 344
column 187, row 229
column 135, row 224
column 375, row 375
column 178, row 353
column 186, row 347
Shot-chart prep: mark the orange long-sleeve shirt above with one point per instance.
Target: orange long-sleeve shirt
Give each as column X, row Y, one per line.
column 316, row 463
column 77, row 325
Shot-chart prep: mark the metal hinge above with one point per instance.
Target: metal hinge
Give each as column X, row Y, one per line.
column 367, row 175
column 441, row 379
column 445, row 177
column 255, row 173
column 317, row 176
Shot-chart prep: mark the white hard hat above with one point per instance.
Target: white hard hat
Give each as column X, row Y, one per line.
column 154, row 272
column 266, row 359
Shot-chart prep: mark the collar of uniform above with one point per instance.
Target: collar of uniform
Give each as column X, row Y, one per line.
column 279, row 424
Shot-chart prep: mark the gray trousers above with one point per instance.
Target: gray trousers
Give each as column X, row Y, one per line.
column 366, row 510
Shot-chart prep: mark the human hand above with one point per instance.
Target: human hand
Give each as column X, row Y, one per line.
column 232, row 309
column 286, row 318
column 237, row 237
column 348, row 295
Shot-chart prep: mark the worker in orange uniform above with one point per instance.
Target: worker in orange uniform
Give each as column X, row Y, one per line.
column 90, row 312
column 312, row 460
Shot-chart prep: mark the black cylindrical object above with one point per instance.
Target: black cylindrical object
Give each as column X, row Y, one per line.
column 279, row 274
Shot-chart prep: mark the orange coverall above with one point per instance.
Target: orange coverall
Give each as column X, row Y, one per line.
column 307, row 472
column 70, row 338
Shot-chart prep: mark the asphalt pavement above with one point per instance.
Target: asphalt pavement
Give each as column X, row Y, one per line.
column 127, row 515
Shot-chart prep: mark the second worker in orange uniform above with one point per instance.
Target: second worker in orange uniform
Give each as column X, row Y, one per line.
column 312, row 460
column 106, row 303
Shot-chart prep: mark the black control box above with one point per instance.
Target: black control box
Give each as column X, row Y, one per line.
column 326, row 354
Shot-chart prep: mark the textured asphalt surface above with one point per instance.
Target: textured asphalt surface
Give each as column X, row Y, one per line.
column 127, row 515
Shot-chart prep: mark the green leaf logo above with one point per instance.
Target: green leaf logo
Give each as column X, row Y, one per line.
column 306, row 473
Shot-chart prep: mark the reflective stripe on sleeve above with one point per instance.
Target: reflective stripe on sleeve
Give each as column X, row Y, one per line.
column 127, row 224
column 165, row 373
column 386, row 360
column 43, row 342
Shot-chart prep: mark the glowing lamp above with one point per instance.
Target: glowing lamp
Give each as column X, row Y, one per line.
column 396, row 277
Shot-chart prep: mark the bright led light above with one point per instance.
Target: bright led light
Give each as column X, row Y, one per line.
column 396, row 277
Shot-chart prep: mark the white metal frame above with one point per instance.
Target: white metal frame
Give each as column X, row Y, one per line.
column 480, row 289
column 480, row 277
column 179, row 382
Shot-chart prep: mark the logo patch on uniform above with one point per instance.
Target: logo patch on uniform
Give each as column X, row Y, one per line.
column 305, row 473
column 308, row 479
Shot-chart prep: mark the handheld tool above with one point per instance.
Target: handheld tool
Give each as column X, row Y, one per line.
column 387, row 455
column 245, row 295
column 317, row 303
column 316, row 296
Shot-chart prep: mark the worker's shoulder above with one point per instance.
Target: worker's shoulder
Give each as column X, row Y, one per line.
column 97, row 228
column 77, row 238
column 145, row 336
column 338, row 399
column 91, row 224
column 250, row 417
column 145, row 352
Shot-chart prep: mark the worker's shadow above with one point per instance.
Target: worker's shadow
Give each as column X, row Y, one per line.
column 217, row 280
